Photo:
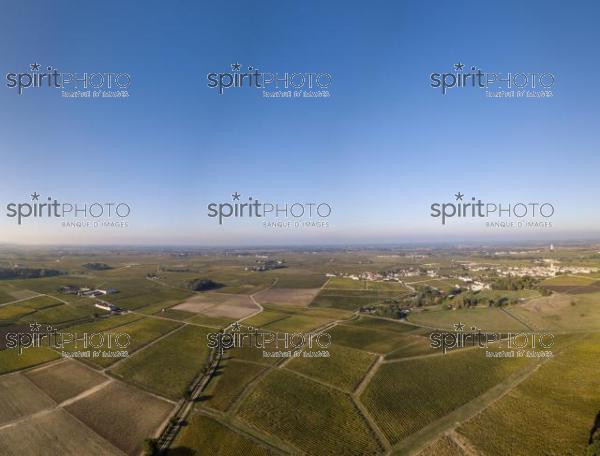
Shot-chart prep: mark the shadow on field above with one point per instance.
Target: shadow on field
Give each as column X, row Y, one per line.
column 181, row 451
column 595, row 428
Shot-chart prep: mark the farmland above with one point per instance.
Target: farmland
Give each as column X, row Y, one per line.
column 204, row 434
column 387, row 325
column 345, row 367
column 490, row 319
column 10, row 360
column 353, row 298
column 57, row 433
column 19, row 397
column 562, row 312
column 65, row 380
column 383, row 389
column 312, row 417
column 168, row 366
column 288, row 296
column 552, row 420
column 366, row 339
column 219, row 305
column 125, row 423
column 229, row 382
column 140, row 333
column 436, row 385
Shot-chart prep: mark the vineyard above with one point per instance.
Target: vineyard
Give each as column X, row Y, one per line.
column 433, row 387
column 314, row 418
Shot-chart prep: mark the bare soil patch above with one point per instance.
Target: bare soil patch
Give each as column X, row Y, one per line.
column 54, row 432
column 219, row 305
column 288, row 296
column 123, row 415
column 19, row 397
column 65, row 380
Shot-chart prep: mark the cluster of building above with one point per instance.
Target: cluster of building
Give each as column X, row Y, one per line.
column 389, row 276
column 94, row 293
column 266, row 265
column 87, row 292
column 109, row 307
column 473, row 285
column 542, row 268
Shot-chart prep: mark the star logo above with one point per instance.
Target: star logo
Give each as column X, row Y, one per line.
column 35, row 66
column 459, row 196
column 34, row 327
column 236, row 326
column 236, row 67
column 459, row 326
column 35, row 196
column 459, row 66
column 236, row 196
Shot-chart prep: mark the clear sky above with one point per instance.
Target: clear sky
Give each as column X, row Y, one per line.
column 380, row 150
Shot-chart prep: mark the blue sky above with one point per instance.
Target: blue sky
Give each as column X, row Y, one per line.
column 380, row 150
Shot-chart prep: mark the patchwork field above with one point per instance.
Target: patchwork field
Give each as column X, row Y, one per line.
column 352, row 299
column 435, row 385
column 485, row 318
column 580, row 312
column 168, row 366
column 314, row 418
column 56, row 432
column 298, row 323
column 219, row 305
column 574, row 287
column 19, row 397
column 229, row 382
column 10, row 293
column 61, row 314
column 204, row 435
column 412, row 345
column 13, row 312
column 371, row 340
column 340, row 283
column 287, row 296
column 211, row 322
column 141, row 333
column 286, row 319
column 559, row 419
column 121, row 414
column 382, row 377
column 252, row 355
column 383, row 324
column 10, row 360
column 65, row 380
column 293, row 278
column 345, row 368
column 569, row 281
column 105, row 323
